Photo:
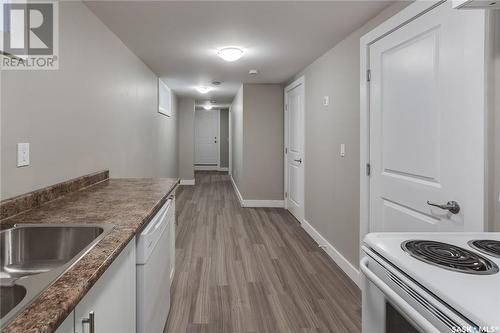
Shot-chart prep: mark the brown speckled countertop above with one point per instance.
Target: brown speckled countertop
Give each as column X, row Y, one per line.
column 126, row 203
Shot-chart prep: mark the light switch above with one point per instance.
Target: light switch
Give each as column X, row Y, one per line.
column 326, row 100
column 342, row 150
column 23, row 154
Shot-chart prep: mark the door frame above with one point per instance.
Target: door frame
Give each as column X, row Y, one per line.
column 230, row 138
column 300, row 81
column 476, row 88
column 208, row 167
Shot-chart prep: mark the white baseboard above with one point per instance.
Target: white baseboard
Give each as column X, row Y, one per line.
column 238, row 194
column 264, row 203
column 210, row 168
column 256, row 203
column 187, row 181
column 206, row 167
column 351, row 271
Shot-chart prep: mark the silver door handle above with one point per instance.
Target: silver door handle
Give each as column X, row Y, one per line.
column 451, row 206
column 299, row 160
column 91, row 321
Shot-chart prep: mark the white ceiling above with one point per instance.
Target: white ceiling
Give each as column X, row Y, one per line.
column 179, row 40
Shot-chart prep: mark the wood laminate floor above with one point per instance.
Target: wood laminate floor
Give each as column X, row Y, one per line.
column 252, row 269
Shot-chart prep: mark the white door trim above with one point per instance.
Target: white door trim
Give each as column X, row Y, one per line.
column 299, row 81
column 230, row 145
column 218, row 138
column 407, row 15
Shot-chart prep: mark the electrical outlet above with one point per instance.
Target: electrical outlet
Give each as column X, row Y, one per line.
column 23, row 154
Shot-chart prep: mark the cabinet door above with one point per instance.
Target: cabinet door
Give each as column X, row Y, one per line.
column 68, row 325
column 112, row 298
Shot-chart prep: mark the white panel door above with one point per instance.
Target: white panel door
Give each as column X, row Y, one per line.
column 294, row 160
column 206, row 137
column 421, row 128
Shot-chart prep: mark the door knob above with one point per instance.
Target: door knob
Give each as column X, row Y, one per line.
column 298, row 161
column 452, row 206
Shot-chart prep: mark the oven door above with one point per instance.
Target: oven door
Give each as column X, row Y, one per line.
column 392, row 302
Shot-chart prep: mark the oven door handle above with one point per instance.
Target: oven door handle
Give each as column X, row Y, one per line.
column 397, row 300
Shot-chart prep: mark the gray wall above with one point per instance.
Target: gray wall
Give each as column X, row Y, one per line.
column 237, row 138
column 332, row 182
column 186, row 111
column 224, row 138
column 98, row 111
column 257, row 141
column 263, row 142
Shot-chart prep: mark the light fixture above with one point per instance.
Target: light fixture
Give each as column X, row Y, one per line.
column 207, row 107
column 230, row 53
column 203, row 89
column 253, row 72
column 216, row 83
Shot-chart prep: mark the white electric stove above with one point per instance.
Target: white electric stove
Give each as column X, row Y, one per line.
column 431, row 282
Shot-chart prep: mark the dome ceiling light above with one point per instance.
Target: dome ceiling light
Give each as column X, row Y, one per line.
column 203, row 89
column 230, row 54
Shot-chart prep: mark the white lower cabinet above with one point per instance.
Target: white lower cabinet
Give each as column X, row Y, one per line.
column 68, row 325
column 111, row 301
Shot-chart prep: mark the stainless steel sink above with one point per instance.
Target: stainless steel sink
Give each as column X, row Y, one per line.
column 31, row 250
column 33, row 256
column 10, row 297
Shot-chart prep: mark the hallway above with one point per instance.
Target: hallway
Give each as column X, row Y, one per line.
column 252, row 269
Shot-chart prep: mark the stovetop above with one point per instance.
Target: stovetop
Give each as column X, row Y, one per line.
column 487, row 246
column 449, row 256
column 461, row 269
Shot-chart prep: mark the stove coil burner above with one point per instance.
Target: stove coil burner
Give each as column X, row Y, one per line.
column 486, row 246
column 448, row 256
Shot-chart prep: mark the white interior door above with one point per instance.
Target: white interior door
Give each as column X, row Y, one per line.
column 425, row 141
column 294, row 149
column 206, row 137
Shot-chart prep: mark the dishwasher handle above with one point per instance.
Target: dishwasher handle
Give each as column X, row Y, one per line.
column 396, row 299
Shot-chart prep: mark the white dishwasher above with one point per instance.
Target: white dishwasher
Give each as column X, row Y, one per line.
column 155, row 269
